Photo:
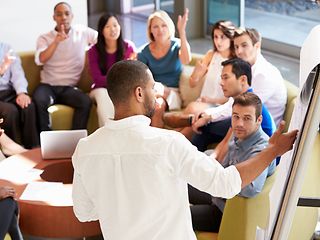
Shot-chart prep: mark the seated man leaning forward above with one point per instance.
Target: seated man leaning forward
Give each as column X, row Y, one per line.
column 61, row 52
column 139, row 182
column 213, row 124
column 247, row 139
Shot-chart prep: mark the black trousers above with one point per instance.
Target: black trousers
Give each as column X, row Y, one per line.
column 211, row 133
column 46, row 95
column 9, row 219
column 205, row 215
column 18, row 121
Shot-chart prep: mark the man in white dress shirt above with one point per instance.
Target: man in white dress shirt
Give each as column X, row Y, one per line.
column 267, row 81
column 133, row 177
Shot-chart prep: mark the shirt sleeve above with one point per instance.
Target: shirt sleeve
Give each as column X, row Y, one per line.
column 92, row 36
column 99, row 80
column 82, row 205
column 255, row 186
column 18, row 78
column 131, row 48
column 203, row 172
column 221, row 112
column 42, row 45
column 142, row 56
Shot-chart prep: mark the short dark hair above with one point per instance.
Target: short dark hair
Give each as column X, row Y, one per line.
column 249, row 99
column 239, row 68
column 251, row 32
column 59, row 3
column 124, row 77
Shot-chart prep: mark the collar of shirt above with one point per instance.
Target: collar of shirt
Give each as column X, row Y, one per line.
column 258, row 62
column 129, row 122
column 249, row 141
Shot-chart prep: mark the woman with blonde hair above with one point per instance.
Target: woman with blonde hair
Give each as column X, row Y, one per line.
column 164, row 55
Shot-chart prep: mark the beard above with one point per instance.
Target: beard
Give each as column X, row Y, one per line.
column 149, row 106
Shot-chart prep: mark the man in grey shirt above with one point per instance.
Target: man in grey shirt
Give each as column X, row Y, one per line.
column 243, row 141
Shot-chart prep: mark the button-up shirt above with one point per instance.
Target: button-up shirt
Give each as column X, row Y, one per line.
column 133, row 178
column 268, row 84
column 14, row 76
column 242, row 150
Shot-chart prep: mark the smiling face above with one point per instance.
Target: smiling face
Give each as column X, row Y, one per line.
column 111, row 30
column 63, row 16
column 221, row 42
column 245, row 49
column 159, row 29
column 244, row 121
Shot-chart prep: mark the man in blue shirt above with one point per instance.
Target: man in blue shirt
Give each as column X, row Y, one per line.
column 16, row 107
column 244, row 140
column 213, row 124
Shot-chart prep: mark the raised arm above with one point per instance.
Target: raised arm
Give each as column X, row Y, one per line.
column 279, row 144
column 46, row 54
column 185, row 53
column 200, row 69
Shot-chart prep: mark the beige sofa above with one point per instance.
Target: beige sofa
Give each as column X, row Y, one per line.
column 240, row 213
column 61, row 115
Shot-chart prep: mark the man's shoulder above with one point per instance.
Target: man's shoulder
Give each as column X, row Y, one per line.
column 264, row 67
column 257, row 141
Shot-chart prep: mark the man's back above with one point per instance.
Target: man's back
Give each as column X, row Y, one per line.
column 142, row 173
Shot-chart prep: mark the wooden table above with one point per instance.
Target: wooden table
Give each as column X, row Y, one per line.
column 53, row 218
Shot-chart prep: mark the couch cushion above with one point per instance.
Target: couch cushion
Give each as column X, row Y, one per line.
column 187, row 93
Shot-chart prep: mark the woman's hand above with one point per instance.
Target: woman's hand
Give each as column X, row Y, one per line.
column 182, row 21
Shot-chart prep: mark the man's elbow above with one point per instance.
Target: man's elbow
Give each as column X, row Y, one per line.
column 250, row 192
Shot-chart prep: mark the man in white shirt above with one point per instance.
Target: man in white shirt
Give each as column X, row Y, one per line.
column 267, row 81
column 133, row 177
column 61, row 52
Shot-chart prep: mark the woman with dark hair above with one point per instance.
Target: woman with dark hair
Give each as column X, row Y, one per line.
column 109, row 49
column 210, row 66
column 208, row 71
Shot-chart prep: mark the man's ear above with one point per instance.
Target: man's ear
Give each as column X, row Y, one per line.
column 139, row 94
column 243, row 79
column 257, row 45
column 259, row 119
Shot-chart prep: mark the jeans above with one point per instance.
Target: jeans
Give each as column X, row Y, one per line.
column 18, row 121
column 46, row 95
column 211, row 133
column 9, row 219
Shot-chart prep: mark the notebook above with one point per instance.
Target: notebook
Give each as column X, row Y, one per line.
column 60, row 144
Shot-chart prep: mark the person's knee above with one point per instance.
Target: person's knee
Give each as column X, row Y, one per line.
column 30, row 109
column 8, row 205
column 9, row 113
column 192, row 108
column 85, row 101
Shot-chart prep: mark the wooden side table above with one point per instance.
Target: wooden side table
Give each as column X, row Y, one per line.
column 53, row 218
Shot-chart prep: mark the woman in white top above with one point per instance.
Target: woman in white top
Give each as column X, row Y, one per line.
column 210, row 69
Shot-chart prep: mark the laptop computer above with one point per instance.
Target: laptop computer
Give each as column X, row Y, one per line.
column 60, row 144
